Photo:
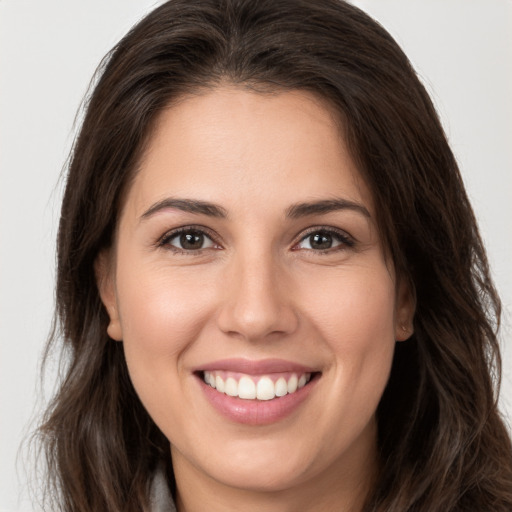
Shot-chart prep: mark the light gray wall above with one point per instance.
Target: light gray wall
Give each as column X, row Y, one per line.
column 49, row 50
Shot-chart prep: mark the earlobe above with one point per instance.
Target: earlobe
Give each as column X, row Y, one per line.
column 106, row 288
column 403, row 332
column 406, row 307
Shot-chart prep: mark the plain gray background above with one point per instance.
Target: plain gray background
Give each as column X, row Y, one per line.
column 49, row 50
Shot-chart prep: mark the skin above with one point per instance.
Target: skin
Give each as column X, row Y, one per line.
column 258, row 290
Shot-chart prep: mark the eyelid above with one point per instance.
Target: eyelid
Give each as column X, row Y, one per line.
column 162, row 241
column 347, row 241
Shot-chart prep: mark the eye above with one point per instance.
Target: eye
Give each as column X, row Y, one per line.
column 324, row 240
column 188, row 240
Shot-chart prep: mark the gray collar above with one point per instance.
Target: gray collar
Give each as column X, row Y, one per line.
column 160, row 496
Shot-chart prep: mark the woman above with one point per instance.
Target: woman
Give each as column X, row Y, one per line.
column 270, row 280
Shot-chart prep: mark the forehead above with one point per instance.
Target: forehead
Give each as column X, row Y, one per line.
column 244, row 148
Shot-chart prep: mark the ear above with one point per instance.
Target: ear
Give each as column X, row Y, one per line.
column 405, row 309
column 105, row 282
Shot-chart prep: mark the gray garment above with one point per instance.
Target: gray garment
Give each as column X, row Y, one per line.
column 160, row 496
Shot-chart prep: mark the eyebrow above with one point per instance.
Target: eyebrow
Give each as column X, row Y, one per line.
column 295, row 211
column 325, row 206
column 187, row 205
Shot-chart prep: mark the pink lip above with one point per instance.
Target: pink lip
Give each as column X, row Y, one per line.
column 256, row 412
column 261, row 367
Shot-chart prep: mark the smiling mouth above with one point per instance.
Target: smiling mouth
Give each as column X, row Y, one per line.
column 254, row 387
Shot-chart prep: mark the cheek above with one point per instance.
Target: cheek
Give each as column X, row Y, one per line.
column 159, row 311
column 162, row 314
column 355, row 317
column 354, row 308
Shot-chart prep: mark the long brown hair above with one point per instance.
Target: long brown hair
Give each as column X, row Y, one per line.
column 442, row 443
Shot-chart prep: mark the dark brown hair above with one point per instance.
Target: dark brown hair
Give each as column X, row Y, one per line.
column 443, row 446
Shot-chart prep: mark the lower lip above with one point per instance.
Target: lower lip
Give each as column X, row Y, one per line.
column 256, row 412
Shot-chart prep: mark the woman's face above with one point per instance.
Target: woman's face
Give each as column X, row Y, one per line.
column 247, row 255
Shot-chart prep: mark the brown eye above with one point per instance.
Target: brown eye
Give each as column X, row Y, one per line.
column 320, row 241
column 189, row 240
column 323, row 240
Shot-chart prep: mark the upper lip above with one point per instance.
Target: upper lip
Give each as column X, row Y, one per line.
column 255, row 367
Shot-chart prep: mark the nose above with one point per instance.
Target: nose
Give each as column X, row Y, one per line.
column 258, row 300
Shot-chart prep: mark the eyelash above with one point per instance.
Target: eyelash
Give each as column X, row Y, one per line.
column 164, row 241
column 345, row 241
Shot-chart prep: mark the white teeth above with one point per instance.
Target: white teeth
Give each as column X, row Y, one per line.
column 292, row 383
column 231, row 388
column 263, row 389
column 281, row 387
column 246, row 388
column 219, row 383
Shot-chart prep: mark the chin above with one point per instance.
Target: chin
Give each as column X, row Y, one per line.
column 264, row 476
